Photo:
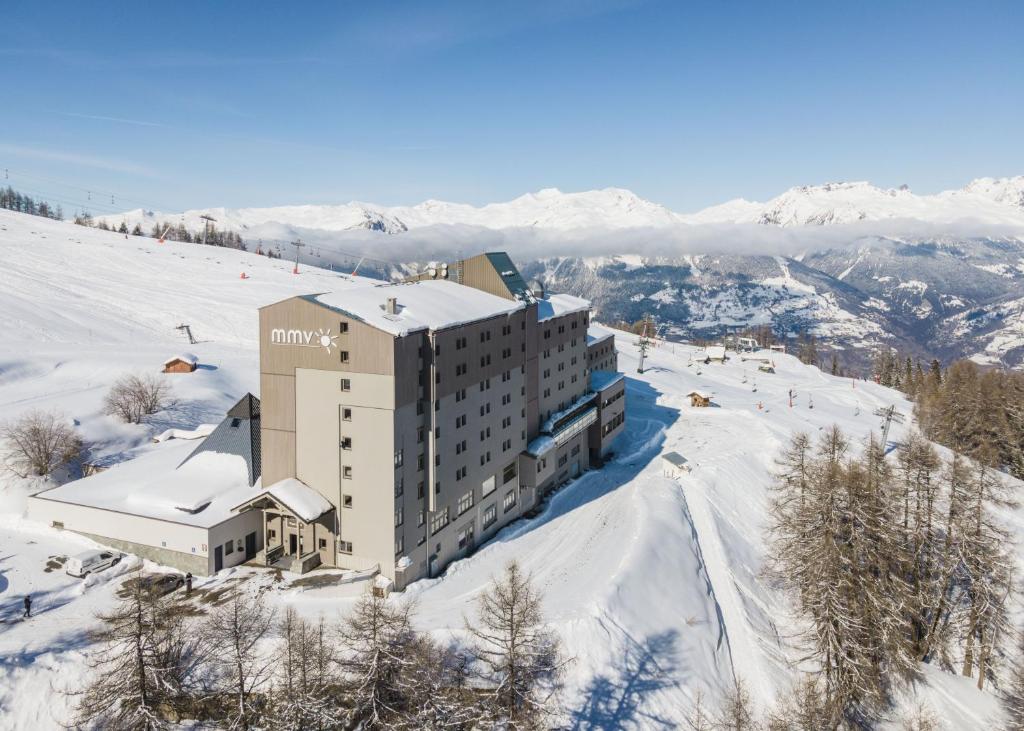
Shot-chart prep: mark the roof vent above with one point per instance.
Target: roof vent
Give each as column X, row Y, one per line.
column 391, row 306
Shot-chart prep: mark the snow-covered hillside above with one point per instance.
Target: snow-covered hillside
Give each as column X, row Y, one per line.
column 985, row 200
column 653, row 584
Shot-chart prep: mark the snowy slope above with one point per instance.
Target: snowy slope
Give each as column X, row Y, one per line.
column 985, row 200
column 654, row 585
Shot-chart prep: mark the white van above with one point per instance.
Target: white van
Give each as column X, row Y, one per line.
column 90, row 562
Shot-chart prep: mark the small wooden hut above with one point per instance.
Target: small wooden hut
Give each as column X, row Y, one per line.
column 181, row 364
column 699, row 399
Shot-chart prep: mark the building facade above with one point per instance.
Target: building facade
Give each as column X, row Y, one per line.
column 426, row 414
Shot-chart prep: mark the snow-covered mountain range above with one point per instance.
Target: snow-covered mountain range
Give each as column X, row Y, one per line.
column 860, row 266
column 988, row 200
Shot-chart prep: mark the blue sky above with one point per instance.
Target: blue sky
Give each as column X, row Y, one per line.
column 189, row 104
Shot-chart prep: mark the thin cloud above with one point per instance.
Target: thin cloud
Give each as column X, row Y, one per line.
column 73, row 158
column 119, row 120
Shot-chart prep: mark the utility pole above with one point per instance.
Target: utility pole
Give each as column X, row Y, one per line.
column 298, row 245
column 644, row 342
column 889, row 415
column 188, row 331
column 207, row 219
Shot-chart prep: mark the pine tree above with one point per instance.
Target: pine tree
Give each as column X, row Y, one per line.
column 145, row 661
column 234, row 632
column 378, row 662
column 517, row 655
column 303, row 696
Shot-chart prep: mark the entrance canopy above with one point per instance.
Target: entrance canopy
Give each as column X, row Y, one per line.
column 293, row 495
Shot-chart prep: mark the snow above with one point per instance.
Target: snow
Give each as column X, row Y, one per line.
column 184, row 358
column 988, row 200
column 306, row 503
column 654, row 585
column 432, row 304
column 601, row 380
column 556, row 305
column 541, row 445
column 155, row 486
column 579, row 401
column 203, row 430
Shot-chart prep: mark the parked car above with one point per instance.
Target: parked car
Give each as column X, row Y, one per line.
column 90, row 562
column 162, row 583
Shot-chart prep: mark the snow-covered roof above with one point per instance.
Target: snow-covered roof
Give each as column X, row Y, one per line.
column 540, row 445
column 550, row 422
column 597, row 336
column 184, row 357
column 556, row 305
column 702, row 394
column 203, row 430
column 432, row 304
column 200, row 492
column 715, row 352
column 301, row 499
column 601, row 380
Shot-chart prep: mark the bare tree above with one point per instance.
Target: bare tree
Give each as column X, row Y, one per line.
column 699, row 719
column 805, row 708
column 515, row 652
column 921, row 719
column 304, row 697
column 133, row 397
column 737, row 710
column 38, row 442
column 234, row 632
column 1013, row 694
column 378, row 662
column 144, row 664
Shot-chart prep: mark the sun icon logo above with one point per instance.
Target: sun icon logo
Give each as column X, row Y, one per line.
column 327, row 341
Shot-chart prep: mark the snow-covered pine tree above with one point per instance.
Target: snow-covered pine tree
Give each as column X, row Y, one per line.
column 234, row 632
column 515, row 653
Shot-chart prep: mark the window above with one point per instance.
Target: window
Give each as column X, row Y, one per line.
column 466, row 537
column 344, row 546
column 465, row 502
column 346, row 472
column 322, row 543
column 346, row 384
column 400, row 487
column 575, row 450
column 346, row 414
column 490, row 516
column 346, row 442
column 399, row 545
column 346, row 500
column 421, row 490
column 344, row 356
column 421, row 517
column 487, row 487
column 272, row 533
column 508, row 473
column 399, row 458
column 229, row 547
column 439, row 521
column 343, row 328
column 510, row 501
column 399, row 516
column 419, row 462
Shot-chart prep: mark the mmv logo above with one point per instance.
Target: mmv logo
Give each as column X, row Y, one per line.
column 319, row 338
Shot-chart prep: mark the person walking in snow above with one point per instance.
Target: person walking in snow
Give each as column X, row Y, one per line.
column 28, row 606
column 188, row 584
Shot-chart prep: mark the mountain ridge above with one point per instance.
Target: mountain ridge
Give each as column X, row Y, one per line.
column 988, row 200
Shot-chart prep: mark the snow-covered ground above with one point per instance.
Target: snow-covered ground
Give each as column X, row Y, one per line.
column 653, row 584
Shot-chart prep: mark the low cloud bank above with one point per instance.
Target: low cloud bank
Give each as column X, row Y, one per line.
column 447, row 242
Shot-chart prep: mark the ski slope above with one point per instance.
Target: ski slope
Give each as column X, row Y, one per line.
column 653, row 584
